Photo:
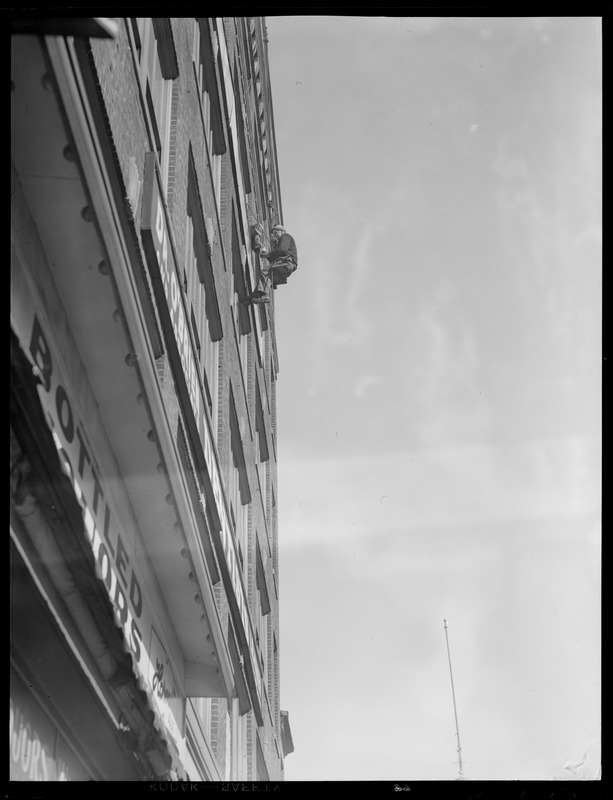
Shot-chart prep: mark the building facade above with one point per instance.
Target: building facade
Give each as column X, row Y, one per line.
column 144, row 553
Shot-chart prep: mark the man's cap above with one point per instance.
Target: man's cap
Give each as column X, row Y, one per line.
column 278, row 228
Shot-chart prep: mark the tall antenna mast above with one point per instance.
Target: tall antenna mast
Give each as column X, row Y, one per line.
column 455, row 711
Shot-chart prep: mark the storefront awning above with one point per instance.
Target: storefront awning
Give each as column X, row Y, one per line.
column 78, row 276
column 44, row 501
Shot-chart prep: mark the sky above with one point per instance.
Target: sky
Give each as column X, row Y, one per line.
column 439, row 395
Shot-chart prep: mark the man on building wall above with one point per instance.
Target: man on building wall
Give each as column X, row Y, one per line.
column 284, row 256
column 283, row 261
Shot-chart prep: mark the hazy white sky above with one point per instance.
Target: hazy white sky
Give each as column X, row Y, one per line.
column 439, row 395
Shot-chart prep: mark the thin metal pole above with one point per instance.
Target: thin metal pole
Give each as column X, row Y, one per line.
column 457, row 727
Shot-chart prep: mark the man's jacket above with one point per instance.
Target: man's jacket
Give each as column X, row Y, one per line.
column 285, row 248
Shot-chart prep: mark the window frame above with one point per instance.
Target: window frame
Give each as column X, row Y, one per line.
column 157, row 68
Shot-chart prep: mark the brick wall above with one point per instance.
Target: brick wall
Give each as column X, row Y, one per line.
column 116, row 71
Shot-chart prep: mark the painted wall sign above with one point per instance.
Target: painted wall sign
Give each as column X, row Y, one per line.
column 169, row 298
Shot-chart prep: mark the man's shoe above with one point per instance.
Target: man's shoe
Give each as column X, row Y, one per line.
column 256, row 297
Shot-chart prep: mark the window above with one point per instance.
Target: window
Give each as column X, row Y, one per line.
column 242, row 690
column 240, row 311
column 262, row 616
column 260, row 177
column 192, row 319
column 273, row 403
column 240, row 132
column 240, row 288
column 247, row 55
column 206, row 50
column 206, row 318
column 263, row 317
column 157, row 68
column 261, row 441
column 238, row 489
column 237, row 710
column 275, row 564
column 273, row 679
column 262, row 588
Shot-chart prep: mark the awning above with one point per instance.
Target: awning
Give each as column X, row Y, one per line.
column 57, row 174
column 44, row 500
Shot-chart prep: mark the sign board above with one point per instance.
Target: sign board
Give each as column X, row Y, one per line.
column 117, row 563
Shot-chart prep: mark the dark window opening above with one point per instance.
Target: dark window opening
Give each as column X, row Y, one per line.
column 261, row 185
column 241, row 133
column 240, row 287
column 211, row 86
column 167, row 54
column 202, row 250
column 153, row 120
column 238, row 456
column 260, row 582
column 260, row 426
column 195, row 332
